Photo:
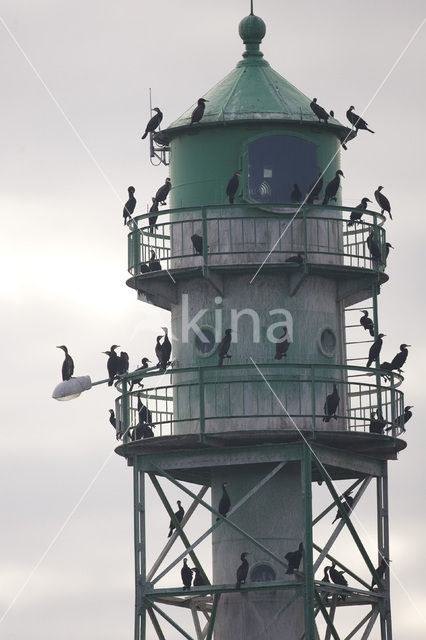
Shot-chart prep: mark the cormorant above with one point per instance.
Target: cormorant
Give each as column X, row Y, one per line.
column 145, row 362
column 299, row 259
column 374, row 247
column 337, row 577
column 154, row 264
column 375, row 348
column 242, row 570
column 67, row 365
column 232, row 186
column 166, row 346
column 377, row 424
column 315, row 189
column 296, row 194
column 130, row 205
column 123, row 364
column 159, row 353
column 186, row 574
column 145, row 415
column 198, row 112
column 382, row 201
column 332, row 187
column 366, row 322
column 281, row 347
column 320, row 112
column 356, row 215
column 223, row 347
column 294, row 558
column 179, row 515
column 326, row 578
column 400, row 358
column 198, row 578
column 113, row 422
column 153, row 123
column 356, row 121
column 153, row 219
column 380, row 570
column 346, row 504
column 225, row 501
column 163, row 192
column 197, row 243
column 388, row 246
column 144, row 268
column 113, row 363
column 401, row 421
column 331, row 404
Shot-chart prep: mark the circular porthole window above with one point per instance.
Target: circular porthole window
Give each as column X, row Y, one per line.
column 327, row 342
column 205, row 347
column 262, row 573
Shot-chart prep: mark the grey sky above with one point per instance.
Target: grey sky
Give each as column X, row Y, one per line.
column 64, row 257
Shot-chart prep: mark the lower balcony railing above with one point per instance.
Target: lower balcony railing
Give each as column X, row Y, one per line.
column 245, row 235
column 211, row 400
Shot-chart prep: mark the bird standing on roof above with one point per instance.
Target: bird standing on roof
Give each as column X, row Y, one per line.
column 332, row 187
column 375, row 349
column 223, row 347
column 163, row 192
column 320, row 112
column 67, row 365
column 242, row 570
column 130, row 205
column 113, row 363
column 331, row 404
column 153, row 123
column 294, row 558
column 178, row 515
column 356, row 215
column 232, row 186
column 382, row 201
column 198, row 112
column 356, row 121
column 366, row 322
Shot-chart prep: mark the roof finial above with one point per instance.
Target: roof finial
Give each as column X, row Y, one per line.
column 251, row 7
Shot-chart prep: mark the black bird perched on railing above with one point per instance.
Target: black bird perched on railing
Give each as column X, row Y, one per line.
column 377, row 424
column 294, row 558
column 166, row 346
column 242, row 570
column 320, row 112
column 375, row 349
column 366, row 322
column 198, row 578
column 402, row 420
column 113, row 363
column 299, row 259
column 315, row 189
column 337, row 577
column 153, row 123
column 400, row 358
column 380, row 570
column 186, row 574
column 232, row 186
column 296, row 194
column 178, row 515
column 163, row 192
column 332, row 187
column 197, row 243
column 145, row 362
column 356, row 215
column 130, row 205
column 154, row 264
column 388, row 247
column 223, row 347
column 198, row 112
column 67, row 365
column 331, row 404
column 382, row 201
column 153, row 218
column 145, row 415
column 281, row 347
column 123, row 363
column 356, row 121
column 159, row 353
column 225, row 501
column 374, row 247
column 346, row 504
column 113, row 422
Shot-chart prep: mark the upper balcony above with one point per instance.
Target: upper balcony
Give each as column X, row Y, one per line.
column 244, row 237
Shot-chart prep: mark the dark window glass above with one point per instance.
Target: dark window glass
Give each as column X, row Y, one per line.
column 276, row 164
column 262, row 573
column 205, row 347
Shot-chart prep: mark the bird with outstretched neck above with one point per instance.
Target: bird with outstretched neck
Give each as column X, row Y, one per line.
column 356, row 215
column 67, row 365
column 375, row 349
column 130, row 205
column 153, row 123
column 178, row 515
column 356, row 121
column 382, row 201
column 113, row 363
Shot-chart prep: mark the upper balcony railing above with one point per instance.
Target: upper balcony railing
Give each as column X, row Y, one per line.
column 213, row 400
column 247, row 234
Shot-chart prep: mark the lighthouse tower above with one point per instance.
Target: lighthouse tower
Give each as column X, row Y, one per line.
column 273, row 266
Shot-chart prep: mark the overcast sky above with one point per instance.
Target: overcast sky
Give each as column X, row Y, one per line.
column 74, row 104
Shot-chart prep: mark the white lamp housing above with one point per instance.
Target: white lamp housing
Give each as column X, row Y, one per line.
column 71, row 388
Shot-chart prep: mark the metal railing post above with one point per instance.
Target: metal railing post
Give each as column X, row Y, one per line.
column 205, row 240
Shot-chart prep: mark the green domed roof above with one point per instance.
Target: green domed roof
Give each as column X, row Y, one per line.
column 252, row 91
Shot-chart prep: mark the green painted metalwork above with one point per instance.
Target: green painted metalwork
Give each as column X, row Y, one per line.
column 213, row 616
column 306, row 475
column 326, row 617
column 170, row 621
